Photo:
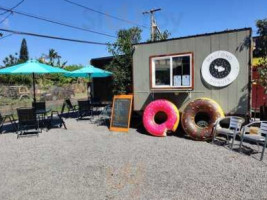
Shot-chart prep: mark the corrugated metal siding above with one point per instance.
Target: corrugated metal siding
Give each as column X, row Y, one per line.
column 233, row 98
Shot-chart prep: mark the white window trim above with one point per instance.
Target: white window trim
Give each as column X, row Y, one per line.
column 154, row 86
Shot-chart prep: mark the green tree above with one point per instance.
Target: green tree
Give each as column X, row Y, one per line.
column 24, row 54
column 121, row 65
column 163, row 36
column 14, row 79
column 262, row 66
column 53, row 55
column 11, row 60
column 262, row 31
column 54, row 59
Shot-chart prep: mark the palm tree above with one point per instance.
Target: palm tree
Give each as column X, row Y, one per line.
column 53, row 55
column 53, row 58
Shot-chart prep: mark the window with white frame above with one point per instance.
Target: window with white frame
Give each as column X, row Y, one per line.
column 173, row 71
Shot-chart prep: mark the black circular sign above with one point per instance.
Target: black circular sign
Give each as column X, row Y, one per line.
column 220, row 68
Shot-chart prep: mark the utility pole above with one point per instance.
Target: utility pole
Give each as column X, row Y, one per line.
column 153, row 24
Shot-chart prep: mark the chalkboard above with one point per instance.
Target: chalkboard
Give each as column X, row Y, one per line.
column 121, row 112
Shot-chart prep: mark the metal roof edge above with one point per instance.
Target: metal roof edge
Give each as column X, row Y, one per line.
column 198, row 35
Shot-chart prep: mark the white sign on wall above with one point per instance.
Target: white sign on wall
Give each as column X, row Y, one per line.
column 220, row 68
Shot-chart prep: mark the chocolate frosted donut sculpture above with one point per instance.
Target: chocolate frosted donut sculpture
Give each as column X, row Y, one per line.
column 202, row 107
column 170, row 124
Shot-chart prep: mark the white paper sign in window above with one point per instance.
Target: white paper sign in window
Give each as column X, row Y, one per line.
column 172, row 71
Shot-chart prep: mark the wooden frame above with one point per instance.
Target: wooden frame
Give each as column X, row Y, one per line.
column 120, row 129
column 171, row 88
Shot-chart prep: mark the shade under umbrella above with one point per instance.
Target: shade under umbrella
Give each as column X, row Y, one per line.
column 89, row 72
column 32, row 67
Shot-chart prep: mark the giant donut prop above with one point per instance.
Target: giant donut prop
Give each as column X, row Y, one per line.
column 170, row 124
column 202, row 106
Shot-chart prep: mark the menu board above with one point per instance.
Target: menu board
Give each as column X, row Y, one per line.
column 121, row 113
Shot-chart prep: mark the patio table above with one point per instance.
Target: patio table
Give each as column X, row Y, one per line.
column 41, row 116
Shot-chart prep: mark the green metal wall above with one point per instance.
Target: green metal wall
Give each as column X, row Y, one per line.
column 234, row 98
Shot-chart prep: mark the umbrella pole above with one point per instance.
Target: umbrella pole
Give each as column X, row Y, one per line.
column 33, row 84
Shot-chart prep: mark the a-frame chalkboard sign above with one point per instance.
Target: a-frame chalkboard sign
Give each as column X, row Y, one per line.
column 121, row 113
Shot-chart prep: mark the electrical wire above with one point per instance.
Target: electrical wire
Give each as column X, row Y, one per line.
column 6, row 17
column 105, row 14
column 52, row 37
column 6, row 36
column 18, row 4
column 11, row 11
column 56, row 22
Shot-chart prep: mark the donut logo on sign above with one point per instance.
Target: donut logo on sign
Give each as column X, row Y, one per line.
column 220, row 68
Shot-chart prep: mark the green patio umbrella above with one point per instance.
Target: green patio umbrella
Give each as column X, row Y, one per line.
column 89, row 71
column 32, row 67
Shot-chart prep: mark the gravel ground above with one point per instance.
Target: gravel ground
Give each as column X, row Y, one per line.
column 89, row 162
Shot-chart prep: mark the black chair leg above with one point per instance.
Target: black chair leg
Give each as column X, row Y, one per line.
column 1, row 126
column 62, row 121
column 59, row 117
column 13, row 122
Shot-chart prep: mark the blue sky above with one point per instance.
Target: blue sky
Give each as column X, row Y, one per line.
column 181, row 18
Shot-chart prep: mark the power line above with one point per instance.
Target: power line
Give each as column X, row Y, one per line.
column 6, row 36
column 106, row 14
column 55, row 22
column 52, row 37
column 6, row 17
column 13, row 7
column 11, row 12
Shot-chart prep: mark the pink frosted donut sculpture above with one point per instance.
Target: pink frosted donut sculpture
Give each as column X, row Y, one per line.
column 170, row 124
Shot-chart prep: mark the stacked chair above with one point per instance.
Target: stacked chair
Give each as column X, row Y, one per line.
column 70, row 107
column 84, row 108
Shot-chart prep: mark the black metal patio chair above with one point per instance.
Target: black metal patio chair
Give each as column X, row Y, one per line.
column 70, row 107
column 3, row 119
column 41, row 112
column 27, row 121
column 84, row 108
column 39, row 105
column 56, row 120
